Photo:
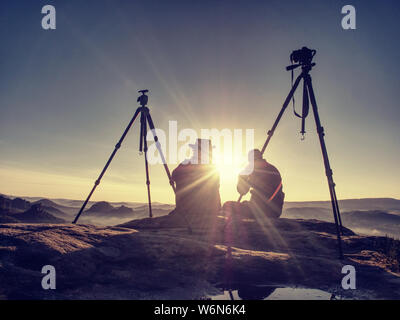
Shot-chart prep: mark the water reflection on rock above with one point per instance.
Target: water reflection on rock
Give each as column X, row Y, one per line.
column 273, row 292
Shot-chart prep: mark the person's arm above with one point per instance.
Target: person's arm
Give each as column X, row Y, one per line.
column 243, row 185
column 175, row 173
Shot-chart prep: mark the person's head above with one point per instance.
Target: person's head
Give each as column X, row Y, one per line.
column 202, row 151
column 254, row 155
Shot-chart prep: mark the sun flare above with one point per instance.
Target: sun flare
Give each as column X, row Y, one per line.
column 229, row 166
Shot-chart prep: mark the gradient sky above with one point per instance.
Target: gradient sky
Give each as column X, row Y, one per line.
column 66, row 95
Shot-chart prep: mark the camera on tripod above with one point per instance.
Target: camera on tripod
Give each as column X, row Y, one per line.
column 302, row 56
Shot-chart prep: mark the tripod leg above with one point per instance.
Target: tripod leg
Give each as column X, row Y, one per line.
column 144, row 141
column 97, row 182
column 171, row 182
column 158, row 145
column 142, row 132
column 337, row 206
column 321, row 135
column 285, row 104
column 328, row 170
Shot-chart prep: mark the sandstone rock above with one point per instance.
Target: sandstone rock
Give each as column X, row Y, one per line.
column 158, row 259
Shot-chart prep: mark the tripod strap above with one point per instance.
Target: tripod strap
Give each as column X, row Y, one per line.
column 296, row 114
column 306, row 103
column 293, row 102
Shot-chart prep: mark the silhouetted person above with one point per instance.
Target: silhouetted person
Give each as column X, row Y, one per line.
column 197, row 183
column 264, row 182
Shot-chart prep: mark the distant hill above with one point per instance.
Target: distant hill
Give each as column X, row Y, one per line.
column 68, row 204
column 35, row 214
column 319, row 213
column 53, row 206
column 16, row 204
column 105, row 209
column 100, row 207
column 350, row 204
column 375, row 221
column 364, row 221
column 368, row 215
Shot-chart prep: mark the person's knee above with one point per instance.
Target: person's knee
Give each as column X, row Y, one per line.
column 229, row 205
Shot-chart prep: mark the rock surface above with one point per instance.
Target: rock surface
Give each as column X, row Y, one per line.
column 159, row 259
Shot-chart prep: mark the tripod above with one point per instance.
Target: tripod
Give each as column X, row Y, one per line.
column 145, row 119
column 308, row 95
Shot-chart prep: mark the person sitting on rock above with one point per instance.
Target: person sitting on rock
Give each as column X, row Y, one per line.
column 197, row 183
column 264, row 182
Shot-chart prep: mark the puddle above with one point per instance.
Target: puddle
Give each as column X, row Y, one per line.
column 274, row 293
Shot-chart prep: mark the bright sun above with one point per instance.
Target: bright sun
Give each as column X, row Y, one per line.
column 229, row 166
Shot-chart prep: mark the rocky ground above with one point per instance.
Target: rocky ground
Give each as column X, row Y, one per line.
column 159, row 259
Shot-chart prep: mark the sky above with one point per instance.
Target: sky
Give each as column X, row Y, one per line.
column 66, row 95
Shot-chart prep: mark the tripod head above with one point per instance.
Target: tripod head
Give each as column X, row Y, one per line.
column 143, row 99
column 302, row 57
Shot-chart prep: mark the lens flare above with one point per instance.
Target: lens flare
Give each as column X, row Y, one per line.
column 229, row 166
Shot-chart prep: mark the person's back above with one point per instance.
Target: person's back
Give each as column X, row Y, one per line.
column 265, row 183
column 197, row 189
column 266, row 193
column 197, row 184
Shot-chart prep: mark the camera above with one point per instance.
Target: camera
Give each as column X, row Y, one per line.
column 302, row 56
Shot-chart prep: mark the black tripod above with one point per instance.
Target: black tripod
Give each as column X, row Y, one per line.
column 145, row 119
column 304, row 57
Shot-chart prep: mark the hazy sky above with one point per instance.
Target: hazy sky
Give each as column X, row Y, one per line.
column 66, row 95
